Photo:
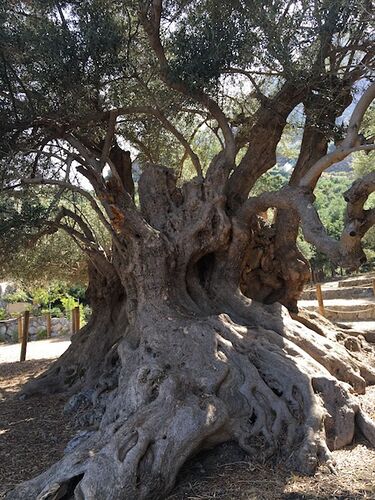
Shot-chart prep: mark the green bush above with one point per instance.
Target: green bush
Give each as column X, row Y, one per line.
column 3, row 313
column 55, row 312
column 69, row 303
column 18, row 296
column 41, row 334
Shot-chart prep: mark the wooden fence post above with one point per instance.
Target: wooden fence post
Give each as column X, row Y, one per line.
column 20, row 328
column 73, row 321
column 25, row 335
column 319, row 296
column 76, row 309
column 373, row 285
column 49, row 325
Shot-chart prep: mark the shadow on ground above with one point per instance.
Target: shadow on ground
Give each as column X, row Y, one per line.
column 34, row 433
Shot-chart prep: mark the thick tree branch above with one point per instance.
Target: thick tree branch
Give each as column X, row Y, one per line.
column 249, row 74
column 349, row 144
column 71, row 187
column 108, row 139
column 151, row 24
column 263, row 138
column 346, row 252
column 357, row 195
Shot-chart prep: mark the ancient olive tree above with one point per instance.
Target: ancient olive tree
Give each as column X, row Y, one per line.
column 163, row 116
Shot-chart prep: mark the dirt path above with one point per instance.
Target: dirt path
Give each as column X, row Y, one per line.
column 33, row 432
column 40, row 349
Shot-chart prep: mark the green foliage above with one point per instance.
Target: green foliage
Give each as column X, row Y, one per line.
column 3, row 313
column 45, row 296
column 290, row 142
column 330, row 202
column 58, row 300
column 41, row 334
column 364, row 162
column 17, row 296
column 20, row 217
column 78, row 291
column 38, row 261
column 69, row 303
column 369, row 245
column 272, row 180
column 203, row 45
column 266, row 34
column 305, row 248
column 67, row 54
column 55, row 312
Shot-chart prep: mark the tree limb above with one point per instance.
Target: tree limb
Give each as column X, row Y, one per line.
column 348, row 145
column 151, row 25
column 71, row 187
column 108, row 139
column 346, row 252
column 262, row 140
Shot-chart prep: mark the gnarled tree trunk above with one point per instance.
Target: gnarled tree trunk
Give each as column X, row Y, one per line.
column 94, row 348
column 199, row 363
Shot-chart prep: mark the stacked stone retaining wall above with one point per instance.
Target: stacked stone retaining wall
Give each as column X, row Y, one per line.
column 37, row 328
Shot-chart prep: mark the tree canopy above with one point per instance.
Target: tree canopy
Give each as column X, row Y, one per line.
column 74, row 75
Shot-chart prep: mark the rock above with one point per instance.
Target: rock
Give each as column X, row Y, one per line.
column 352, row 344
column 369, row 336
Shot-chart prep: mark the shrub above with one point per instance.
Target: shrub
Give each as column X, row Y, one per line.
column 17, row 296
column 55, row 312
column 41, row 334
column 69, row 303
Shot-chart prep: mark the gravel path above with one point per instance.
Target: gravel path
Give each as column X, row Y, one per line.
column 38, row 349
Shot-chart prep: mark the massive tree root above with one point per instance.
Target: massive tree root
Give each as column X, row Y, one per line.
column 94, row 347
column 279, row 389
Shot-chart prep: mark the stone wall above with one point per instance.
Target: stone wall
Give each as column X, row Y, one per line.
column 37, row 328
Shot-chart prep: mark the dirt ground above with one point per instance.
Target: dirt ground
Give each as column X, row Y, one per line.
column 34, row 433
column 41, row 349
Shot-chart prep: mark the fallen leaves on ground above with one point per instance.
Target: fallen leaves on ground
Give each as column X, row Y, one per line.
column 34, row 433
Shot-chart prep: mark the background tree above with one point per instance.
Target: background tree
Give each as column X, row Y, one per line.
column 177, row 357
